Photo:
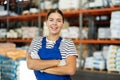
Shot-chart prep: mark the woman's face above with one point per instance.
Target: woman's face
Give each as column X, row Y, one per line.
column 54, row 23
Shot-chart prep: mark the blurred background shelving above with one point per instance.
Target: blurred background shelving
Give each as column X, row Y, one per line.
column 85, row 19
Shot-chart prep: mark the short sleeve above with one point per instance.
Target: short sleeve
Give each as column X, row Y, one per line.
column 35, row 45
column 68, row 48
column 71, row 49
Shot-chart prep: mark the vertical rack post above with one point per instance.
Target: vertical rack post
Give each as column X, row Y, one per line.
column 80, row 34
column 39, row 19
column 80, row 26
column 91, row 34
column 8, row 15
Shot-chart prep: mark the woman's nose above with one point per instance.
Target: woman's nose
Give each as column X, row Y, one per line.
column 55, row 22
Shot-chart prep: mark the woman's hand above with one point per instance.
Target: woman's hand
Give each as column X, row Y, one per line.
column 68, row 69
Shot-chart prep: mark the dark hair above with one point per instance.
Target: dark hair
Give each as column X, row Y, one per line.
column 55, row 10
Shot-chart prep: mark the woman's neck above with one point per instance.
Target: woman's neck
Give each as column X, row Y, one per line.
column 53, row 37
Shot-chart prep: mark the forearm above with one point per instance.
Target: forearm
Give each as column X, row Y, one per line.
column 68, row 69
column 38, row 64
column 61, row 70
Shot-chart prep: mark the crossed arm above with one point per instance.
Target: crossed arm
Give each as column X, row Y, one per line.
column 51, row 66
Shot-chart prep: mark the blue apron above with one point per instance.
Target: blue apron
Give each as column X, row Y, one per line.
column 50, row 54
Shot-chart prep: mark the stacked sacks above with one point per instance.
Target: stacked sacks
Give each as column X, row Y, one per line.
column 113, row 59
column 118, row 60
column 30, row 32
column 96, row 61
column 9, row 69
column 68, row 4
column 0, row 66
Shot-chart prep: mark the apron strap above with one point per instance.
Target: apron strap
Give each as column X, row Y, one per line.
column 57, row 44
column 44, row 42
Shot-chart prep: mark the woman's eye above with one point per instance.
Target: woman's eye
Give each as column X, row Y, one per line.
column 59, row 21
column 50, row 20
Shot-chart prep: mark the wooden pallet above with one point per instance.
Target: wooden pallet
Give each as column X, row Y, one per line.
column 114, row 6
column 115, row 38
column 93, row 69
column 118, row 72
column 103, row 39
column 108, row 39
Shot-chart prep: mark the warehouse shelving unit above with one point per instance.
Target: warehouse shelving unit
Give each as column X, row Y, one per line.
column 71, row 14
column 67, row 14
column 88, row 74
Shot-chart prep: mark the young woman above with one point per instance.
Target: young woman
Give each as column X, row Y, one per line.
column 52, row 57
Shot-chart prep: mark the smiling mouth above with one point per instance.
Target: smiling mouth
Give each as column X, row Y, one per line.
column 54, row 28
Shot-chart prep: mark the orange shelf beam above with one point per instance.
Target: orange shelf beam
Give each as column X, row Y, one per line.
column 97, row 41
column 76, row 41
column 2, row 40
column 19, row 40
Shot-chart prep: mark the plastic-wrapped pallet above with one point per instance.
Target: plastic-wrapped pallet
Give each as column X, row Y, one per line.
column 96, row 3
column 118, row 59
column 30, row 32
column 104, row 33
column 89, row 62
column 113, row 60
column 96, row 61
column 115, row 2
column 105, row 52
column 114, row 24
column 9, row 72
column 68, row 4
column 74, row 32
column 3, row 33
column 71, row 32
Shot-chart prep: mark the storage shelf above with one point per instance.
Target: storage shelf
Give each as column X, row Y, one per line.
column 24, row 40
column 76, row 41
column 2, row 40
column 100, row 11
column 3, row 19
column 29, row 17
column 2, row 0
column 73, row 13
column 69, row 14
column 96, row 41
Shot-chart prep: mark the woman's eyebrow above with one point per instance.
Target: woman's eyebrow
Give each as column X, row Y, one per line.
column 57, row 18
